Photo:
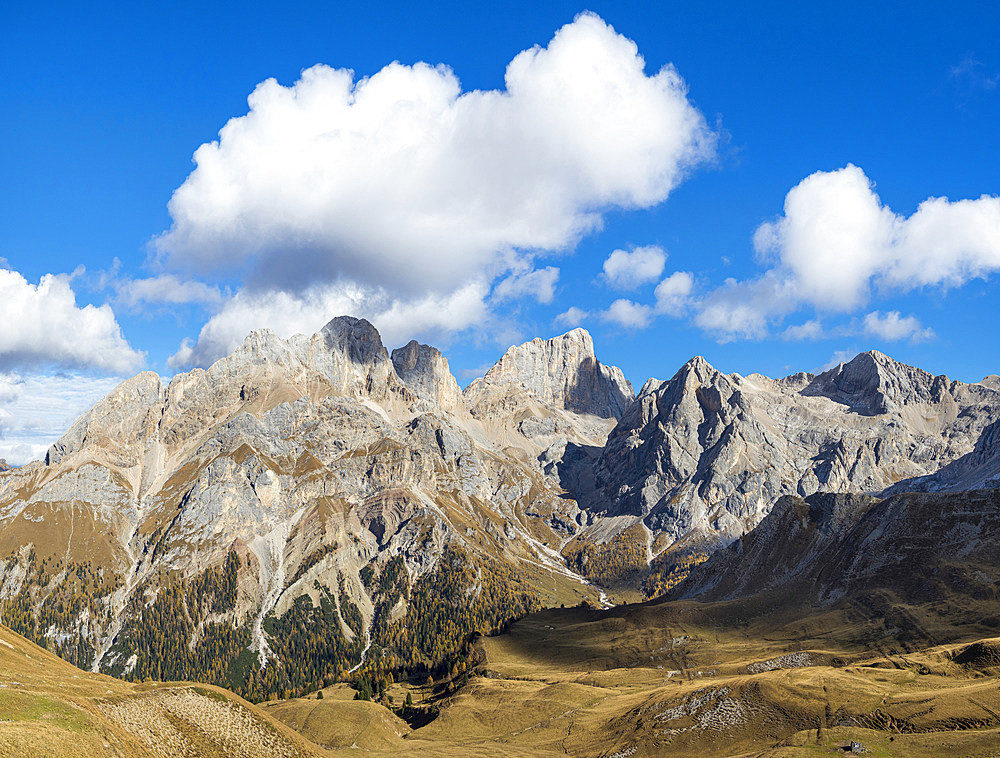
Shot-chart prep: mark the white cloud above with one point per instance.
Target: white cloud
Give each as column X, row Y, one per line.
column 809, row 330
column 402, row 181
column 287, row 314
column 836, row 242
column 742, row 310
column 44, row 326
column 571, row 317
column 673, row 294
column 673, row 297
column 628, row 314
column 893, row 327
column 628, row 270
column 36, row 409
column 403, row 185
column 165, row 289
column 974, row 75
column 538, row 284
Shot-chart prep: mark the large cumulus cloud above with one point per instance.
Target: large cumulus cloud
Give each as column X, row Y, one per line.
column 403, row 185
column 44, row 326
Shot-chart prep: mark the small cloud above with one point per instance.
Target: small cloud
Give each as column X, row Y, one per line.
column 165, row 289
column 810, row 330
column 628, row 314
column 539, row 284
column 673, row 297
column 673, row 294
column 743, row 310
column 625, row 270
column 893, row 327
column 571, row 317
column 974, row 74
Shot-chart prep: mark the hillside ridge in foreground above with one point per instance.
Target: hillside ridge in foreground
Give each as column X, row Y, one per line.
column 801, row 662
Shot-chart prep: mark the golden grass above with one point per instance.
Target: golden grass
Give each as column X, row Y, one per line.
column 50, row 708
column 727, row 679
column 751, row 678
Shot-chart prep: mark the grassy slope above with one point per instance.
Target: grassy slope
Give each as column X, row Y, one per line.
column 53, row 709
column 680, row 678
column 673, row 679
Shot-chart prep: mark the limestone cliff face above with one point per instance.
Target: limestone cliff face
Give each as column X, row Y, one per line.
column 561, row 372
column 322, row 460
column 554, row 403
column 425, row 372
column 313, row 458
column 708, row 453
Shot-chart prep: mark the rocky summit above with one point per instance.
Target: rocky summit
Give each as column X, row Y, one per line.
column 708, row 453
column 312, row 508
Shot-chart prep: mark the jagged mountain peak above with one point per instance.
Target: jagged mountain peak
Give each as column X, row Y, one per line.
column 118, row 423
column 425, row 371
column 356, row 337
column 992, row 381
column 652, row 385
column 697, row 372
column 260, row 346
column 710, row 452
column 872, row 383
column 697, row 364
column 562, row 371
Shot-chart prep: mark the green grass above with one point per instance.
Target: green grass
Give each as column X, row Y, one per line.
column 23, row 706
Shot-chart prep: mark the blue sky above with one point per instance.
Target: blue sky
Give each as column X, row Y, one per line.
column 446, row 208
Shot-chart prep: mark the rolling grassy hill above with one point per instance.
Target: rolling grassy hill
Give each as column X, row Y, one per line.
column 795, row 642
column 51, row 709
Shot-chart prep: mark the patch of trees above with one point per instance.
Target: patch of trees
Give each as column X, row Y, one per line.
column 670, row 569
column 170, row 638
column 620, row 561
column 445, row 607
column 65, row 598
column 310, row 646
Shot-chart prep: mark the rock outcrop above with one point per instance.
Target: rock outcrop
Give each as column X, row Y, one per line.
column 708, row 453
column 923, row 548
column 426, row 373
column 562, row 372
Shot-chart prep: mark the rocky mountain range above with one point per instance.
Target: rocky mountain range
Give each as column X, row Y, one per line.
column 312, row 507
column 934, row 549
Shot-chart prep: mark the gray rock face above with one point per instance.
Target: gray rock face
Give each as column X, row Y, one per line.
column 924, row 548
column 426, row 373
column 562, row 372
column 708, row 454
column 979, row 469
column 992, row 381
column 118, row 424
